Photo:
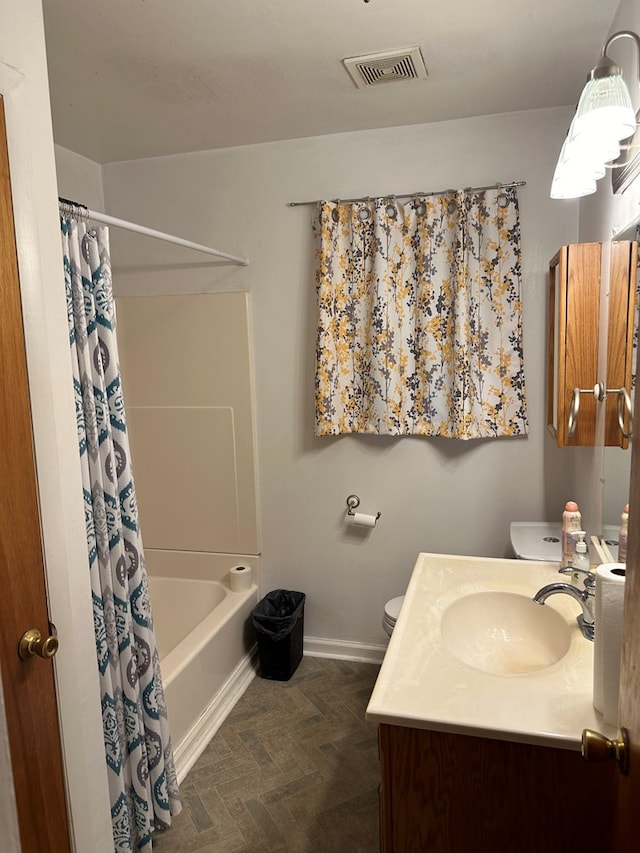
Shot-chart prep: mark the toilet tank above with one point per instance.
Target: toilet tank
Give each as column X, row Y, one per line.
column 536, row 540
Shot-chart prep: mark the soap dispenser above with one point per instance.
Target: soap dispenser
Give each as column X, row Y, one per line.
column 580, row 558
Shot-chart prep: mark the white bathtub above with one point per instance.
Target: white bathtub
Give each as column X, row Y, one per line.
column 205, row 642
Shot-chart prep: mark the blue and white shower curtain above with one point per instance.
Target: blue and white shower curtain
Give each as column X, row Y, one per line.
column 142, row 778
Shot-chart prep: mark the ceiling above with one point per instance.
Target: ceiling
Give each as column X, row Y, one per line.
column 141, row 78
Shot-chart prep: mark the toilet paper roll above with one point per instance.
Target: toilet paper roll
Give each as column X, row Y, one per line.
column 608, row 639
column 362, row 519
column 240, row 578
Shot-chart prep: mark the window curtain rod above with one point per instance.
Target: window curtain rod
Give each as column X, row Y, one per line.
column 74, row 208
column 412, row 195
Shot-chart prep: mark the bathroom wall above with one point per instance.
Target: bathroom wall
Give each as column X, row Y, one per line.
column 79, row 179
column 434, row 494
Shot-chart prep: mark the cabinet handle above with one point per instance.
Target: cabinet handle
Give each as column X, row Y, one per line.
column 573, row 411
column 624, row 398
column 599, row 392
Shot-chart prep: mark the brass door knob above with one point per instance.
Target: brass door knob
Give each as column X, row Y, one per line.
column 598, row 747
column 32, row 643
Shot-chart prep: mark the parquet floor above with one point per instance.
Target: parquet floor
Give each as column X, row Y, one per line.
column 293, row 768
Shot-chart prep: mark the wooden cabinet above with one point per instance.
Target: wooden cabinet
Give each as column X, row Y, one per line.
column 448, row 793
column 592, row 289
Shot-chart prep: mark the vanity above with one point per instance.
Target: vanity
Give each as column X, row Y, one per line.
column 480, row 703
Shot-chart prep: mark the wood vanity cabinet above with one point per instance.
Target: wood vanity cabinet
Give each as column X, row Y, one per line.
column 582, row 309
column 449, row 793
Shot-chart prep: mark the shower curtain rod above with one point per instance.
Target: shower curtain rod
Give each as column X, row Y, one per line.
column 412, row 195
column 83, row 210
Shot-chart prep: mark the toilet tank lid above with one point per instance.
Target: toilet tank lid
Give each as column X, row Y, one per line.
column 536, row 540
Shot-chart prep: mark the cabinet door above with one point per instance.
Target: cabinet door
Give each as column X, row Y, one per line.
column 450, row 793
column 591, row 309
column 574, row 308
column 621, row 322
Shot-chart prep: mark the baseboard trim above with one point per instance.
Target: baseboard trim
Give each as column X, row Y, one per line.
column 319, row 647
column 186, row 753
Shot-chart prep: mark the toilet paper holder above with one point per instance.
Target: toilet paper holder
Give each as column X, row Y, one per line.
column 353, row 502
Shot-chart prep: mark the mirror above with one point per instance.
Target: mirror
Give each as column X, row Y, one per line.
column 616, row 464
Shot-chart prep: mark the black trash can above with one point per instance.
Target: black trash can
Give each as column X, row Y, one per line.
column 279, row 623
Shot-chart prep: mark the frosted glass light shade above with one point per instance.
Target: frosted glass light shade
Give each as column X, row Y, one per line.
column 577, row 170
column 590, row 153
column 605, row 109
column 570, row 184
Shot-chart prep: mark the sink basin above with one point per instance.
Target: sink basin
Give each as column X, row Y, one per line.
column 504, row 633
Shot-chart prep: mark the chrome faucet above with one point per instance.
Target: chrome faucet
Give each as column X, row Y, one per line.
column 586, row 598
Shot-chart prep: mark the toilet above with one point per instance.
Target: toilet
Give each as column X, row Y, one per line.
column 536, row 540
column 391, row 613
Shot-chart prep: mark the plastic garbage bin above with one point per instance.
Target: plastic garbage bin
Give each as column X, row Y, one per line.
column 279, row 623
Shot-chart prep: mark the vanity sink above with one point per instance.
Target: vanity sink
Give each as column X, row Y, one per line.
column 473, row 654
column 504, row 633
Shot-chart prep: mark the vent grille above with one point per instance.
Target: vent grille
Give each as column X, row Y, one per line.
column 388, row 67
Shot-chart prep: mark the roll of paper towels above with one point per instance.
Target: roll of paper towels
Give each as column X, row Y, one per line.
column 608, row 639
column 362, row 519
column 240, row 578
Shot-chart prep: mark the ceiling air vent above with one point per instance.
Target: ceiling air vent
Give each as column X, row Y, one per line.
column 387, row 67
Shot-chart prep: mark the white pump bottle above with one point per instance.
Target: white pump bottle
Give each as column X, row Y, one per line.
column 580, row 557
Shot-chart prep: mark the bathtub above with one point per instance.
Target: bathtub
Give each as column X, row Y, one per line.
column 206, row 647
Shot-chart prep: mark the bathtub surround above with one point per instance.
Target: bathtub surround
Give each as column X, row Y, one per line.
column 141, row 774
column 420, row 316
column 187, row 375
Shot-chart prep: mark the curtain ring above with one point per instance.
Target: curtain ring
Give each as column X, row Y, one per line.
column 391, row 209
column 503, row 200
column 452, row 206
column 364, row 214
column 335, row 215
column 420, row 208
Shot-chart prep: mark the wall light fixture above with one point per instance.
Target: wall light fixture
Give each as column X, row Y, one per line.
column 602, row 126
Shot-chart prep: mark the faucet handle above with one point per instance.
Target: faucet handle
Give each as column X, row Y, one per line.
column 569, row 570
column 590, row 577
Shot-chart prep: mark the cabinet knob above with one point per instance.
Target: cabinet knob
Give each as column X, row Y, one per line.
column 597, row 747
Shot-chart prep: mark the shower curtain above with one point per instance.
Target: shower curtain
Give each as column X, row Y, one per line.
column 142, row 779
column 420, row 316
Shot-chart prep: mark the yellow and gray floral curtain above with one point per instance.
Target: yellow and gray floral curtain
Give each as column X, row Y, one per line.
column 420, row 317
column 142, row 779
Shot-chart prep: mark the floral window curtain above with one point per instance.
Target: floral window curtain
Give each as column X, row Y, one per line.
column 420, row 317
column 142, row 779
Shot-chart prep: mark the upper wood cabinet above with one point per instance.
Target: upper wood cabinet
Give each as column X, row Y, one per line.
column 592, row 292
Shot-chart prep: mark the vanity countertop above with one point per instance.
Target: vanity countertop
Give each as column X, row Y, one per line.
column 422, row 685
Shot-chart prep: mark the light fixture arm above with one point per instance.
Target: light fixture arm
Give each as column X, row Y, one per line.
column 605, row 67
